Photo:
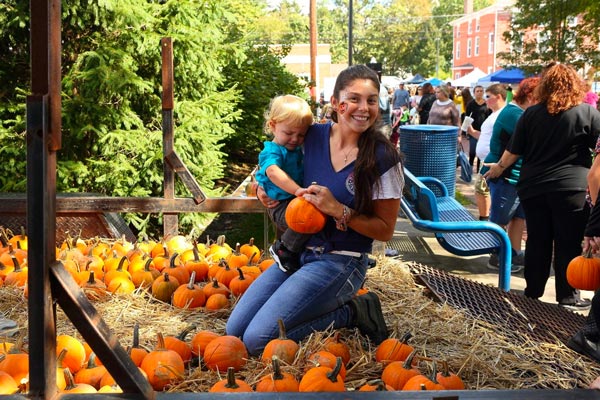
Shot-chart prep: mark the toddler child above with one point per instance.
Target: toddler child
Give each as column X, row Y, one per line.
column 280, row 171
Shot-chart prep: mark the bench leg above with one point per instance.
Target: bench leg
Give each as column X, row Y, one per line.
column 505, row 262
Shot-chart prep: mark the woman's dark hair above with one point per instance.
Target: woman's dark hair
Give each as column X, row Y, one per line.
column 366, row 172
column 428, row 88
column 466, row 95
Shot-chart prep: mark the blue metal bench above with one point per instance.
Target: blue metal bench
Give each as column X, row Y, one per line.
column 454, row 227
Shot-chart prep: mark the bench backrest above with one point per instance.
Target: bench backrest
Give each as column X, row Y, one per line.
column 420, row 197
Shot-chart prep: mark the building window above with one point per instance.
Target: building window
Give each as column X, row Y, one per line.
column 491, row 43
column 477, row 25
column 457, row 50
column 477, row 46
column 457, row 75
column 469, row 44
column 469, row 29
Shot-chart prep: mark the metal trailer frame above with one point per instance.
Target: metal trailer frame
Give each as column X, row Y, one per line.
column 50, row 284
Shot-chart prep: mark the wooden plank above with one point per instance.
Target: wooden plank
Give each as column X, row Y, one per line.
column 16, row 203
column 186, row 176
column 96, row 333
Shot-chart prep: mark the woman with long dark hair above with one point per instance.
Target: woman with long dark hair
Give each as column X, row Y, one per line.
column 353, row 174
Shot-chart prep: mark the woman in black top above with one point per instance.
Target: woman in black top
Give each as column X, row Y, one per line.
column 555, row 139
column 426, row 103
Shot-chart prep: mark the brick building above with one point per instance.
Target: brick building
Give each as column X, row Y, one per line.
column 477, row 38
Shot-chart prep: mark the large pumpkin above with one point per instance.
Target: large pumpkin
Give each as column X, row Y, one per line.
column 303, row 217
column 583, row 272
column 224, row 352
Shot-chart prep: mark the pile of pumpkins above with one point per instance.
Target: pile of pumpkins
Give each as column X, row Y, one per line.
column 191, row 275
column 172, row 359
column 176, row 270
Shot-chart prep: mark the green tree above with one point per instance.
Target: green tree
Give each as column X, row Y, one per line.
column 112, row 96
column 564, row 30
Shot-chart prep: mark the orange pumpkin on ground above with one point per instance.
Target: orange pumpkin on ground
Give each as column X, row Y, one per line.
column 231, row 384
column 323, row 379
column 285, row 349
column 163, row 366
column 278, row 381
column 224, row 352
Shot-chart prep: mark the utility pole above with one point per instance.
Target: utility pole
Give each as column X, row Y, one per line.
column 350, row 18
column 313, row 50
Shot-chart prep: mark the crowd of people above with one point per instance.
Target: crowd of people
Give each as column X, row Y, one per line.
column 531, row 147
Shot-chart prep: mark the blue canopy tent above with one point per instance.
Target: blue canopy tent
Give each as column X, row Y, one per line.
column 416, row 79
column 513, row 75
column 434, row 82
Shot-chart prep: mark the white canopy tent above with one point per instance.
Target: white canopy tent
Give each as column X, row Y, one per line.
column 470, row 79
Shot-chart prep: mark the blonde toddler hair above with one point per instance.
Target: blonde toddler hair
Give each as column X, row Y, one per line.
column 292, row 109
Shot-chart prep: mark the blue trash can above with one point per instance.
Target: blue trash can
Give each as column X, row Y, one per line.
column 430, row 150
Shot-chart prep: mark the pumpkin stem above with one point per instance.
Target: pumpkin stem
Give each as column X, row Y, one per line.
column 192, row 280
column 231, row 383
column 136, row 335
column 434, row 372
column 404, row 339
column 185, row 332
column 241, row 273
column 409, row 360
column 172, row 260
column 423, row 387
column 445, row 370
column 252, row 258
column 277, row 375
column 195, row 251
column 379, row 385
column 282, row 332
column 147, row 264
column 333, row 374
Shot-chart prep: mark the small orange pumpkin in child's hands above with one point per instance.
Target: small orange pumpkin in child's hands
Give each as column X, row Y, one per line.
column 303, row 217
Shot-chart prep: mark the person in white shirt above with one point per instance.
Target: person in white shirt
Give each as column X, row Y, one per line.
column 495, row 99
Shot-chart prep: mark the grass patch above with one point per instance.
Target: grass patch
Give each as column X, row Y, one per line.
column 462, row 199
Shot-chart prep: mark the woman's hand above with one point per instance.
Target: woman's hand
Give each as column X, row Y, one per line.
column 322, row 198
column 591, row 242
column 494, row 171
column 264, row 199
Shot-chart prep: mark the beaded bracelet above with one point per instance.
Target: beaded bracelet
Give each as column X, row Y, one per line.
column 342, row 223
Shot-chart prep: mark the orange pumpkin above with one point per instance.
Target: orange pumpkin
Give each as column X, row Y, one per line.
column 73, row 387
column 163, row 287
column 75, row 357
column 392, row 349
column 197, row 265
column 145, row 276
column 303, row 217
column 136, row 352
column 422, row 382
column 91, row 374
column 189, row 296
column 179, row 344
column 326, row 359
column 237, row 259
column 163, row 366
column 215, row 288
column 397, row 373
column 338, row 348
column 216, row 302
column 251, row 251
column 240, row 283
column 201, row 340
column 583, row 272
column 224, row 352
column 376, row 385
column 448, row 379
column 231, row 384
column 323, row 379
column 278, row 381
column 7, row 384
column 283, row 348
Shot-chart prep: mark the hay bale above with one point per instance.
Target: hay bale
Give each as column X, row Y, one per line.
column 484, row 356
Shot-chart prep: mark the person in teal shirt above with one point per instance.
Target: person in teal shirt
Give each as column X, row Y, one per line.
column 506, row 209
column 281, row 171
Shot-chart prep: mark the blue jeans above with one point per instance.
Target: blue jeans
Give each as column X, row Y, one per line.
column 505, row 203
column 312, row 299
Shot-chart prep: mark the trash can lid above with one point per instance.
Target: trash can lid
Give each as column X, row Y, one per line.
column 429, row 128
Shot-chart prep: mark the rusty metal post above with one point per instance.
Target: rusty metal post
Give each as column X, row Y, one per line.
column 43, row 140
column 170, row 220
column 313, row 50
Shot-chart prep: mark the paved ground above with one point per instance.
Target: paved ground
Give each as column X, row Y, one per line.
column 422, row 247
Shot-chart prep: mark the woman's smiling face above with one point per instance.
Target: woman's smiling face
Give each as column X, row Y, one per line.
column 358, row 105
